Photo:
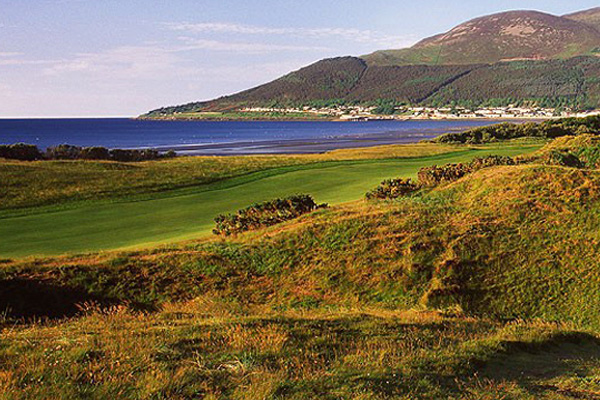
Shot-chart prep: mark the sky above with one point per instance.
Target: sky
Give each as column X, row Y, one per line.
column 124, row 57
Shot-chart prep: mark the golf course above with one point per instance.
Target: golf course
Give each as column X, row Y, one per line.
column 113, row 219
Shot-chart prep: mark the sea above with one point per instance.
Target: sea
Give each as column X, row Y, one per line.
column 225, row 137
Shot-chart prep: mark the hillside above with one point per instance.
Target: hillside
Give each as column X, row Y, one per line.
column 517, row 57
column 515, row 35
column 551, row 83
column 589, row 17
column 482, row 287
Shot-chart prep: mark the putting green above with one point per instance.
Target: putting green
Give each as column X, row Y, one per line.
column 181, row 215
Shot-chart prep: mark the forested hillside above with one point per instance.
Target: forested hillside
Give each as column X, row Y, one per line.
column 553, row 83
column 517, row 57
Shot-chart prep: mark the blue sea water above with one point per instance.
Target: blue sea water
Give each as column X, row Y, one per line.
column 224, row 137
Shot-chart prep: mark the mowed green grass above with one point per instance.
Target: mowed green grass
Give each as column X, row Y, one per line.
column 186, row 214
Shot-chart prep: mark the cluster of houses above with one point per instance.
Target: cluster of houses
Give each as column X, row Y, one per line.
column 366, row 113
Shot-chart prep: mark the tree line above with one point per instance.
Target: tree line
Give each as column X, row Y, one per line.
column 30, row 152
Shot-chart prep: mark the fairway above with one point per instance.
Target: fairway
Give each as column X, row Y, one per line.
column 188, row 214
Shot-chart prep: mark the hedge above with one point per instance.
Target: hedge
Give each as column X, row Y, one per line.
column 265, row 214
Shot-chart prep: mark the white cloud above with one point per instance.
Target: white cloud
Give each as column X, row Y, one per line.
column 9, row 54
column 241, row 47
column 146, row 61
column 22, row 62
column 355, row 35
column 130, row 62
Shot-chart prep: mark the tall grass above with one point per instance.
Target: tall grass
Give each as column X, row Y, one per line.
column 31, row 184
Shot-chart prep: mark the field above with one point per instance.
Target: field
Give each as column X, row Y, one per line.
column 187, row 352
column 183, row 196
column 484, row 287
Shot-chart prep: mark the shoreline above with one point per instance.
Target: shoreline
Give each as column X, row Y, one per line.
column 192, row 141
column 498, row 120
column 311, row 146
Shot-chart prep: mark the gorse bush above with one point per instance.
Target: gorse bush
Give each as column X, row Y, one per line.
column 134, row 155
column 28, row 152
column 577, row 151
column 434, row 175
column 562, row 158
column 63, row 152
column 490, row 161
column 265, row 214
column 95, row 153
column 392, row 189
column 545, row 130
column 20, row 151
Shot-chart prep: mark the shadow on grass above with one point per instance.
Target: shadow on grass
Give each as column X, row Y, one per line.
column 22, row 299
column 537, row 368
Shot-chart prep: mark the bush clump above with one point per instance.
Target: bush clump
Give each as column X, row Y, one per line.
column 134, row 155
column 545, row 130
column 265, row 214
column 20, row 151
column 433, row 176
column 393, row 189
column 29, row 152
column 562, row 158
column 490, row 161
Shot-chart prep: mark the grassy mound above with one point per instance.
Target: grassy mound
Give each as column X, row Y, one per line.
column 506, row 242
column 204, row 349
column 485, row 287
column 110, row 219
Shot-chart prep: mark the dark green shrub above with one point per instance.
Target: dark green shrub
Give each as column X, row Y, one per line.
column 565, row 159
column 28, row 152
column 392, row 189
column 590, row 156
column 546, row 130
column 265, row 214
column 20, row 151
column 490, row 161
column 134, row 155
column 95, row 153
column 63, row 152
column 434, row 175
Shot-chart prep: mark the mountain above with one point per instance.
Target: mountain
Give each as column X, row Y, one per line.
column 590, row 17
column 514, row 35
column 516, row 57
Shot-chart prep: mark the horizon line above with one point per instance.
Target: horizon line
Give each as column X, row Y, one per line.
column 69, row 117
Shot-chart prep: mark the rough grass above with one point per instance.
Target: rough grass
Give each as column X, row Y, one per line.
column 205, row 349
column 484, row 288
column 177, row 215
column 32, row 184
column 506, row 242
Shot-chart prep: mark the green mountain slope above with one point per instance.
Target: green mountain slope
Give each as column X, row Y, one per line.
column 327, row 79
column 573, row 82
column 522, row 57
column 589, row 17
column 514, row 35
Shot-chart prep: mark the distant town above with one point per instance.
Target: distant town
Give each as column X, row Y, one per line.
column 364, row 113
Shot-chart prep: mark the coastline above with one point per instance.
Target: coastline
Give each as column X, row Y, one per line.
column 291, row 119
column 222, row 138
column 311, row 146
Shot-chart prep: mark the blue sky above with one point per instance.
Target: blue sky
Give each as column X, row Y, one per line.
column 124, row 57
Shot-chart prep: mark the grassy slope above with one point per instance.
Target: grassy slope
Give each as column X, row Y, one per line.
column 188, row 214
column 314, row 308
column 201, row 350
column 34, row 184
